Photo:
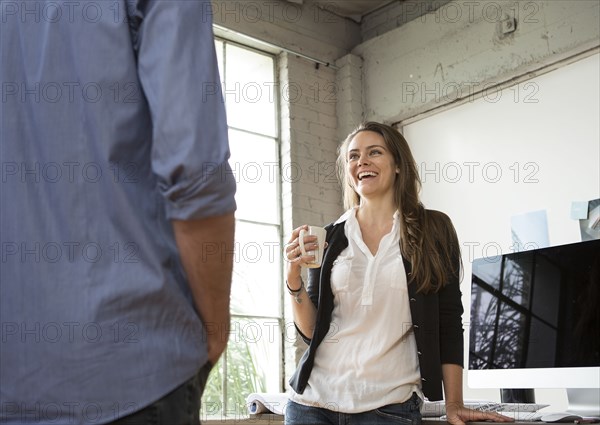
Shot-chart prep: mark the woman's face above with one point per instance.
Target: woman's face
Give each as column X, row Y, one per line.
column 370, row 166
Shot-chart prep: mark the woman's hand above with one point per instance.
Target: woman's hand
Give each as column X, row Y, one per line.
column 305, row 312
column 293, row 253
column 458, row 414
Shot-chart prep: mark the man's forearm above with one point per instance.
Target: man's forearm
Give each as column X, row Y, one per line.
column 206, row 250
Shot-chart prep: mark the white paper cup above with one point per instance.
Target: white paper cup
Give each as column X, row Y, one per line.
column 320, row 233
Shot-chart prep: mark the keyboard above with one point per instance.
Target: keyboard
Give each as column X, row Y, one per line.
column 484, row 406
column 438, row 408
column 521, row 416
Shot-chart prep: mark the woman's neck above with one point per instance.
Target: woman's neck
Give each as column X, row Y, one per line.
column 373, row 212
column 375, row 220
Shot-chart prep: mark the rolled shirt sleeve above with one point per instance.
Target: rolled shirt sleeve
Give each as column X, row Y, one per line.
column 179, row 75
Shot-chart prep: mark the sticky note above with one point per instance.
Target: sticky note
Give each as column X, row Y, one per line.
column 579, row 210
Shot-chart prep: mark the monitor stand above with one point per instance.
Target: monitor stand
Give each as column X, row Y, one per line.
column 517, row 395
column 584, row 401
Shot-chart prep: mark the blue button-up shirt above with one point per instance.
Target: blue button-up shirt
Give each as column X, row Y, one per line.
column 112, row 124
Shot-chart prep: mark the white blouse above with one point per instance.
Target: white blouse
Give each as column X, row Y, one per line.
column 369, row 357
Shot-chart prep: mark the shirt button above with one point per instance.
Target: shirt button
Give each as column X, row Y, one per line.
column 416, row 326
column 423, row 379
column 412, row 300
column 419, row 353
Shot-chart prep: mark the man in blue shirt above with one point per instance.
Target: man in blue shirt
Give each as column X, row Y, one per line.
column 116, row 213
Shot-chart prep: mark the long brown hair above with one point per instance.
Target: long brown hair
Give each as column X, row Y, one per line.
column 427, row 237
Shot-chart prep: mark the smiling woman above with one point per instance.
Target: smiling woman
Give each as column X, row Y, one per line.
column 389, row 287
column 385, row 149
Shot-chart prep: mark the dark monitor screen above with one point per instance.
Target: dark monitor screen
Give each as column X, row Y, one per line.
column 536, row 309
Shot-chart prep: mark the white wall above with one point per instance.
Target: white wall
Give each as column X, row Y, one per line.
column 543, row 136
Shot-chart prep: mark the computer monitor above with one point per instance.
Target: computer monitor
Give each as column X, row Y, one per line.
column 535, row 322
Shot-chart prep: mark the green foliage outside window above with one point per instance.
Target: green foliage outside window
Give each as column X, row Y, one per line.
column 243, row 378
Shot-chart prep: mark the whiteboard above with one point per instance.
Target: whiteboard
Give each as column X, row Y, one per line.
column 534, row 146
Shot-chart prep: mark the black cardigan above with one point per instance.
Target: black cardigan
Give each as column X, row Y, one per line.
column 437, row 320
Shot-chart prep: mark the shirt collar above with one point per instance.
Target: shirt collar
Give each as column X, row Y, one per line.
column 352, row 212
column 345, row 216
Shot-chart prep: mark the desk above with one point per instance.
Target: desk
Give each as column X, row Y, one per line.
column 272, row 419
column 264, row 419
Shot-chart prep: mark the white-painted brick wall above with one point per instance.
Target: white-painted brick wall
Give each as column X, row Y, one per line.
column 310, row 190
column 310, row 142
column 350, row 94
column 417, row 68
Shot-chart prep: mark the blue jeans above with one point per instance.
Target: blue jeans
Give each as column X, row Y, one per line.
column 180, row 407
column 407, row 413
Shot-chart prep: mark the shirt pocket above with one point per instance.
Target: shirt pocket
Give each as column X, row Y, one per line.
column 395, row 274
column 340, row 274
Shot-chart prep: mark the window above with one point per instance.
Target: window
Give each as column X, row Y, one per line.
column 255, row 342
